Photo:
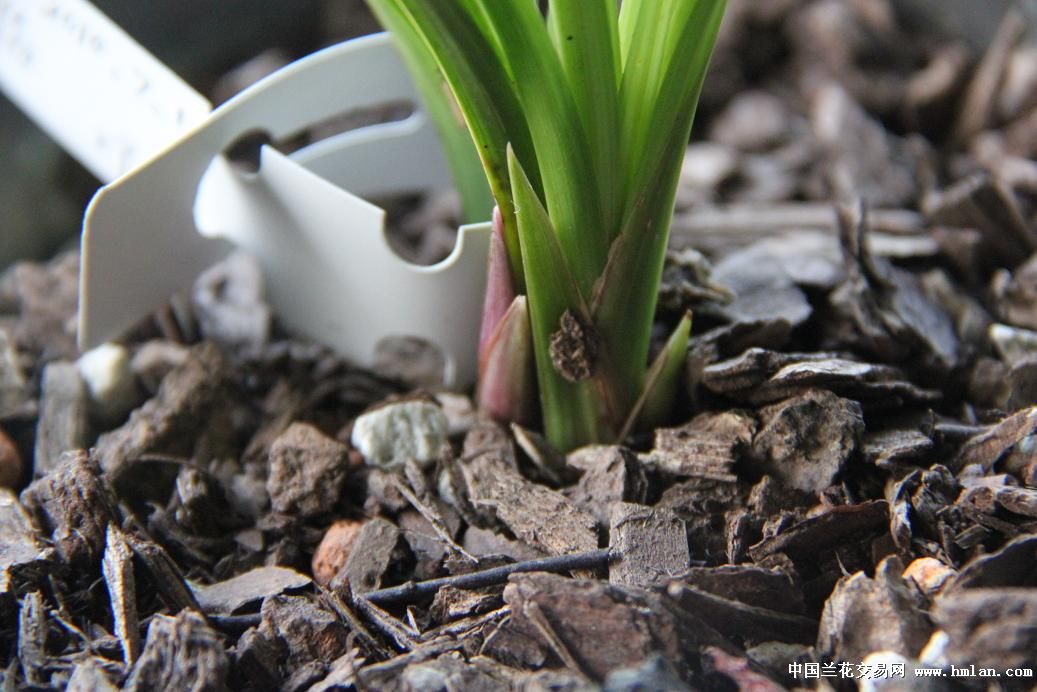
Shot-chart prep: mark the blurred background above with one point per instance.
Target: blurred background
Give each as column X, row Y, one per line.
column 221, row 47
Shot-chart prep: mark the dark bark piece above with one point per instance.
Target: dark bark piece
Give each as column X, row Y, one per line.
column 169, row 422
column 888, row 449
column 63, row 424
column 980, row 102
column 373, row 553
column 74, row 505
column 989, row 446
column 255, row 661
column 980, row 202
column 753, row 586
column 865, row 614
column 1021, row 501
column 117, row 568
column 762, row 288
column 47, row 297
column 864, row 159
column 426, row 544
column 652, row 545
column 180, row 653
column 885, row 308
column 306, row 631
column 1014, row 564
column 165, row 575
column 989, row 628
column 542, row 518
column 307, row 471
column 452, row 603
column 341, row 674
column 611, row 474
column 735, row 619
column 825, row 531
column 589, row 617
column 806, row 441
column 876, row 386
column 484, row 543
column 1015, row 294
column 707, row 447
column 229, row 596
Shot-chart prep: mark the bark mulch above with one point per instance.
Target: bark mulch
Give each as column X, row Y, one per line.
column 848, row 486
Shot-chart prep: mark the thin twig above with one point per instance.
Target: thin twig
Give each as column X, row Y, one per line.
column 413, row 591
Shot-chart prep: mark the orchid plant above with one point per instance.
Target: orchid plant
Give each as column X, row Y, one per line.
column 580, row 118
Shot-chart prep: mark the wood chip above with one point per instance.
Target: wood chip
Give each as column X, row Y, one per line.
column 652, row 544
column 807, row 440
column 180, row 653
column 307, row 471
column 253, row 586
column 873, row 614
column 610, row 475
column 117, row 568
column 373, row 553
column 542, row 518
column 74, row 505
column 168, row 422
column 989, row 627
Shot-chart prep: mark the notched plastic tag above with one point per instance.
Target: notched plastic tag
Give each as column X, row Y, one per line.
column 330, row 273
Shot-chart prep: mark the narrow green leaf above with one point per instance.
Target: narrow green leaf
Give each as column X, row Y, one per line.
column 562, row 151
column 458, row 145
column 655, row 405
column 570, row 409
column 468, row 59
column 625, row 307
column 586, row 39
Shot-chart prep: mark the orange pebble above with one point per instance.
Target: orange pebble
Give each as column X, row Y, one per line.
column 334, row 549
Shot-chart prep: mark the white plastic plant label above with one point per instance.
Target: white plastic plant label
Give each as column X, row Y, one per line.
column 105, row 99
column 330, row 273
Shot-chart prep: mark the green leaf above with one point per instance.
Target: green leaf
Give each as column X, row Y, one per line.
column 624, row 307
column 570, row 410
column 458, row 146
column 562, row 151
column 655, row 405
column 454, row 35
column 587, row 41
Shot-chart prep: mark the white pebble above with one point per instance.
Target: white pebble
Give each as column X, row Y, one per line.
column 390, row 435
column 109, row 381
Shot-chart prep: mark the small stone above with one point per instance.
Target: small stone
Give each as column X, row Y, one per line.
column 460, row 413
column 307, row 471
column 11, row 465
column 929, row 574
column 392, row 434
column 109, row 381
column 334, row 550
